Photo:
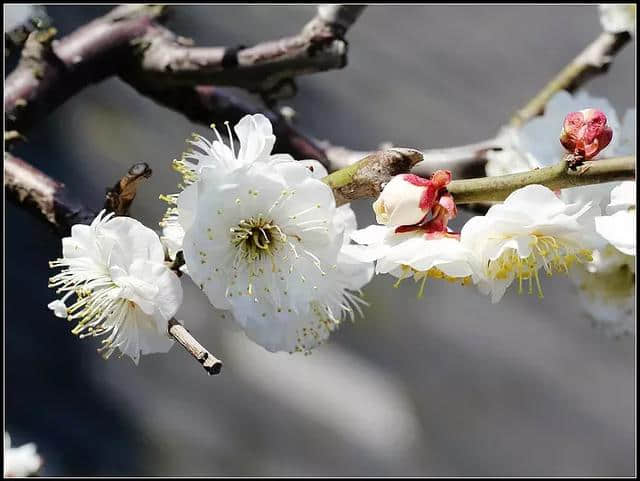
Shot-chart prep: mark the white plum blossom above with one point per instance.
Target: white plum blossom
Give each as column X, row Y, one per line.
column 412, row 254
column 256, row 140
column 606, row 288
column 533, row 229
column 619, row 226
column 536, row 143
column 123, row 290
column 618, row 17
column 20, row 461
column 262, row 237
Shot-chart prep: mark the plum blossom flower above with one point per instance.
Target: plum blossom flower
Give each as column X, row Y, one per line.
column 532, row 229
column 20, row 461
column 263, row 239
column 606, row 289
column 123, row 290
column 606, row 286
column 619, row 226
column 256, row 140
column 414, row 254
column 617, row 17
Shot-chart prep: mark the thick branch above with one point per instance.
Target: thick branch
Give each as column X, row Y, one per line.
column 44, row 197
column 559, row 176
column 50, row 72
column 166, row 59
column 593, row 60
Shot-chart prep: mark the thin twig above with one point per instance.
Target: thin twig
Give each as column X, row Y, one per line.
column 209, row 362
column 593, row 60
column 121, row 195
column 559, row 176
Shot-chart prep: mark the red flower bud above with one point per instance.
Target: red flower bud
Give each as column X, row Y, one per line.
column 585, row 133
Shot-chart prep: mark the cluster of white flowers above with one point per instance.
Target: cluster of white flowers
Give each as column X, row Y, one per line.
column 20, row 461
column 532, row 230
column 262, row 237
column 115, row 270
column 606, row 285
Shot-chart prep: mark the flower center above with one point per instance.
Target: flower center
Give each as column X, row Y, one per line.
column 547, row 252
column 256, row 238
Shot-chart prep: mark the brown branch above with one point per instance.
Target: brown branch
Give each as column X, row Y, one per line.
column 367, row 177
column 50, row 72
column 121, row 195
column 165, row 59
column 47, row 199
column 592, row 61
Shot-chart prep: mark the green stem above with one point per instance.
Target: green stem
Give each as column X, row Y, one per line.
column 559, row 176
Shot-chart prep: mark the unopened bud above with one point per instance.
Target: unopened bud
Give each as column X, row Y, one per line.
column 408, row 198
column 585, row 133
column 399, row 202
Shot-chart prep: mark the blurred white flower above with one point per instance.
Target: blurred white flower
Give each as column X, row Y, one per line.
column 536, row 143
column 618, row 17
column 619, row 226
column 20, row 461
column 412, row 254
column 606, row 288
column 115, row 269
column 532, row 229
column 263, row 239
column 17, row 15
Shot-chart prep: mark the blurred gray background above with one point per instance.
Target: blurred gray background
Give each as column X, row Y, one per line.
column 444, row 385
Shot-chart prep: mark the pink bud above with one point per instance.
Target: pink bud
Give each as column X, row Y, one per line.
column 585, row 133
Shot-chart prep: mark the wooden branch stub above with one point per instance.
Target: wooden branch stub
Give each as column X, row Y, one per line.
column 209, row 362
column 121, row 195
column 367, row 177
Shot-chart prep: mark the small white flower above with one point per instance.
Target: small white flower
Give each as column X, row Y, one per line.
column 619, row 227
column 20, row 461
column 411, row 254
column 532, row 229
column 262, row 238
column 617, row 17
column 115, row 268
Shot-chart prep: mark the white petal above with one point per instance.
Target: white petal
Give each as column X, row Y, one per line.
column 620, row 230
